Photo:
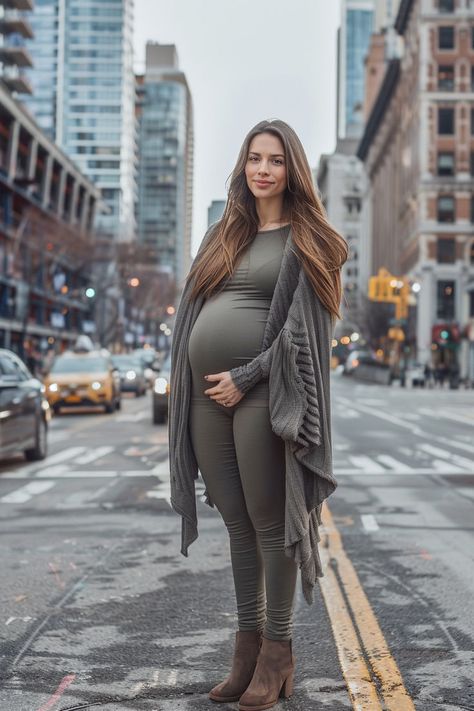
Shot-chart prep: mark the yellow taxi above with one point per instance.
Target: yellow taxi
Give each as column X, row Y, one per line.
column 83, row 379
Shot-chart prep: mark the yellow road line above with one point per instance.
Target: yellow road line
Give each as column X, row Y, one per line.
column 384, row 682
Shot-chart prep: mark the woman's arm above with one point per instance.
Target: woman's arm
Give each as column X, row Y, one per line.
column 246, row 376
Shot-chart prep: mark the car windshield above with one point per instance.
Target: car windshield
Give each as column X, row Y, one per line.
column 146, row 356
column 79, row 365
column 126, row 361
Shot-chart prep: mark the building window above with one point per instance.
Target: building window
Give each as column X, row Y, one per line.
column 446, row 212
column 446, row 121
column 446, row 5
column 445, row 300
column 446, row 77
column 446, row 251
column 446, row 164
column 446, row 37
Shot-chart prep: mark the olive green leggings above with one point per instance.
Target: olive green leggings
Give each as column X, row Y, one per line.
column 242, row 463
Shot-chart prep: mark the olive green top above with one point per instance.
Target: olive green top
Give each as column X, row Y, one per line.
column 229, row 329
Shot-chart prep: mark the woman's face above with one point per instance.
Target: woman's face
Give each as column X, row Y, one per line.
column 265, row 169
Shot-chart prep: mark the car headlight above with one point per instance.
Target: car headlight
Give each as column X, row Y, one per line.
column 160, row 386
column 96, row 385
column 131, row 375
column 53, row 387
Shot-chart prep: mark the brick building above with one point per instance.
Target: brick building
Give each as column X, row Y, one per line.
column 418, row 149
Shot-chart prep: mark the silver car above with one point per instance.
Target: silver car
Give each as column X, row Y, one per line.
column 132, row 375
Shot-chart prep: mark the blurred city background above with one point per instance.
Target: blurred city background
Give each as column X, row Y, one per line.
column 97, row 179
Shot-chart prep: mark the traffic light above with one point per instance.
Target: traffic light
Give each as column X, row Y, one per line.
column 446, row 334
column 388, row 288
column 379, row 286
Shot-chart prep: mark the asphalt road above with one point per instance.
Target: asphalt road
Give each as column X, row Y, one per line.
column 100, row 610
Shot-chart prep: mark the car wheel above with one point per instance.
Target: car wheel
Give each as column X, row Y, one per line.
column 159, row 417
column 40, row 450
column 109, row 407
column 118, row 403
column 56, row 409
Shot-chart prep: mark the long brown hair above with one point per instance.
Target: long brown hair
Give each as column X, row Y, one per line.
column 321, row 248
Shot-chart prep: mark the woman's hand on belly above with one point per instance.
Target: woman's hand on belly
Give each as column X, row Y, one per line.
column 225, row 390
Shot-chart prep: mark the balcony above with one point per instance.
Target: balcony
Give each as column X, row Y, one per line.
column 17, row 56
column 18, row 4
column 17, row 82
column 10, row 25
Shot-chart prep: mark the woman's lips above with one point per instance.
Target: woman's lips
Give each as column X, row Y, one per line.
column 263, row 183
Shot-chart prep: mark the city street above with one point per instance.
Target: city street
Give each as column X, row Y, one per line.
column 100, row 609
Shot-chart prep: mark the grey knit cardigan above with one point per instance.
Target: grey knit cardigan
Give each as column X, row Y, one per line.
column 295, row 357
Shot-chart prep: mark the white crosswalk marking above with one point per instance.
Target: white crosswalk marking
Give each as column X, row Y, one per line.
column 369, row 522
column 93, row 455
column 445, row 414
column 455, row 459
column 347, row 413
column 367, row 464
column 447, row 471
column 25, row 493
column 62, row 456
column 393, row 463
column 440, row 465
column 133, row 416
column 66, row 473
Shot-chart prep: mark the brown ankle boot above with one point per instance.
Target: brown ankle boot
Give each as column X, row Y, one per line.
column 247, row 646
column 273, row 676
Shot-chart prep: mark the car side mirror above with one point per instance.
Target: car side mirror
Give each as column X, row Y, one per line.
column 8, row 381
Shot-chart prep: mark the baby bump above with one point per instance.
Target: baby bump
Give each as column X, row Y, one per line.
column 227, row 333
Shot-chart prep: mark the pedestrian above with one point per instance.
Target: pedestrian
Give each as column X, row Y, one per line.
column 427, row 372
column 250, row 401
column 443, row 374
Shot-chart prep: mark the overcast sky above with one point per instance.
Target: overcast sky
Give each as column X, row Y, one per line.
column 247, row 60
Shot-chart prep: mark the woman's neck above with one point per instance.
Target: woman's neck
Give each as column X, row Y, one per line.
column 270, row 215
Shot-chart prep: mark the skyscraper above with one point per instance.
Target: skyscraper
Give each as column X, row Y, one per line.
column 357, row 21
column 215, row 211
column 14, row 57
column 165, row 174
column 83, row 95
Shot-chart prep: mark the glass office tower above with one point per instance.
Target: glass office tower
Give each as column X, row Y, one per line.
column 357, row 23
column 84, row 95
column 165, row 176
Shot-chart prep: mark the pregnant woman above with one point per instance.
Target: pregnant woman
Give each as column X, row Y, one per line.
column 249, row 400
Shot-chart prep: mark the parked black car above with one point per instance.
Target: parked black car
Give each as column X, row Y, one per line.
column 24, row 410
column 161, row 392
